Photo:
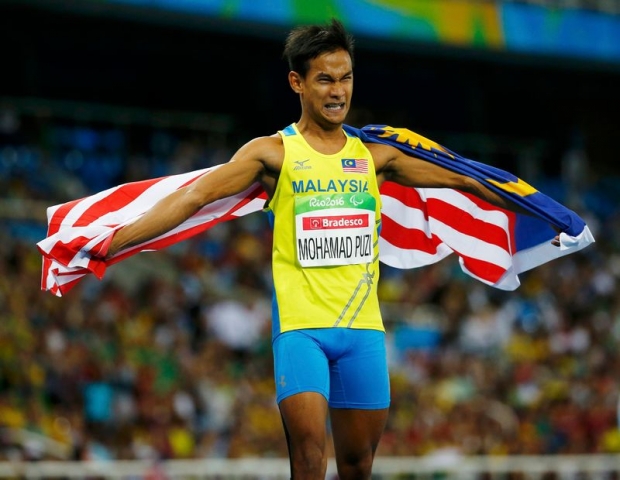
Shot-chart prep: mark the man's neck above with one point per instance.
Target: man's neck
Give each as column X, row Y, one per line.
column 326, row 141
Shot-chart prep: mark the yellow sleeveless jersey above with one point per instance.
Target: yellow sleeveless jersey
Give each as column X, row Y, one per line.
column 326, row 216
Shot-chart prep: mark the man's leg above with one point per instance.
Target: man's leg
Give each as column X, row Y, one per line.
column 304, row 416
column 356, row 436
column 359, row 402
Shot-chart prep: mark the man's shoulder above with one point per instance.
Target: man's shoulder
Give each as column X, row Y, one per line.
column 267, row 149
column 266, row 141
column 378, row 147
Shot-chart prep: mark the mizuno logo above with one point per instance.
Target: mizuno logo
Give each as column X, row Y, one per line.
column 301, row 165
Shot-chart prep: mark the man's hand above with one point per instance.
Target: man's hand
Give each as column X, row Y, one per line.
column 556, row 241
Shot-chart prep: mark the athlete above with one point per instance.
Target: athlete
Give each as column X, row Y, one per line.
column 324, row 204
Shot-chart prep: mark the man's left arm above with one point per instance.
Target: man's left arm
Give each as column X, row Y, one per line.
column 395, row 166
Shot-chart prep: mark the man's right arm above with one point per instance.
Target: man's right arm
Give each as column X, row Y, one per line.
column 244, row 169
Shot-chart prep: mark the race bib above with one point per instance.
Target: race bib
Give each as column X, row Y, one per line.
column 334, row 229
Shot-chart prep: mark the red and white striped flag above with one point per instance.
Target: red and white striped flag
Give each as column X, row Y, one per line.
column 419, row 227
column 80, row 229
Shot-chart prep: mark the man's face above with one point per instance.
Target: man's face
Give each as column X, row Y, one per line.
column 327, row 89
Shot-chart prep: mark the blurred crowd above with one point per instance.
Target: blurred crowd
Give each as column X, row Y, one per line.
column 169, row 356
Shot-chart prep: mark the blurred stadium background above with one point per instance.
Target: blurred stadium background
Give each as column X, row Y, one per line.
column 163, row 369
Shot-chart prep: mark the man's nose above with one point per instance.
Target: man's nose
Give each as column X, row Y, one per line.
column 338, row 89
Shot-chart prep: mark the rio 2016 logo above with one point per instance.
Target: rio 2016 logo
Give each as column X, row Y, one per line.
column 327, row 202
column 335, row 202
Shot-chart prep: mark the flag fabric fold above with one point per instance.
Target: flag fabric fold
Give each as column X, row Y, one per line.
column 80, row 230
column 420, row 226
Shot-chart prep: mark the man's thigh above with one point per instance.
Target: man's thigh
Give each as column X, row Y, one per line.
column 359, row 377
column 300, row 365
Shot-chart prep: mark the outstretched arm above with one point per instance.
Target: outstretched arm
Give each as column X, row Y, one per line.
column 244, row 169
column 396, row 166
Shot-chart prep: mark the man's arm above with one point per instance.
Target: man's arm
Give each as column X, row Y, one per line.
column 244, row 169
column 393, row 165
column 396, row 166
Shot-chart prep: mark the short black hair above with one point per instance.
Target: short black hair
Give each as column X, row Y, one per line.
column 307, row 42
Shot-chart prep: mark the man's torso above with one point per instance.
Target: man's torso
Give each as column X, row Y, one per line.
column 326, row 217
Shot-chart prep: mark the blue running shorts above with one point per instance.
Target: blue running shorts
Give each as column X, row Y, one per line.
column 347, row 366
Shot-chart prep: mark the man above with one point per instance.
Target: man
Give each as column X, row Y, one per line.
column 325, row 207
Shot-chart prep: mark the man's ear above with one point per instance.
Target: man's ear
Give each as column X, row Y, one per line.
column 295, row 81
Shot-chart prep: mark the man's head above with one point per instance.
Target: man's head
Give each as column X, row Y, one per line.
column 321, row 62
column 307, row 42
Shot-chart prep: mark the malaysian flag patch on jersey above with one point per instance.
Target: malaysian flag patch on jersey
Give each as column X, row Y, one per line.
column 354, row 165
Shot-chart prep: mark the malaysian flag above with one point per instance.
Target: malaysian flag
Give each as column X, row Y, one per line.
column 355, row 165
column 78, row 231
column 420, row 226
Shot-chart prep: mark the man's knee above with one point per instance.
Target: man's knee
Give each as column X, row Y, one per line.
column 308, row 459
column 355, row 465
